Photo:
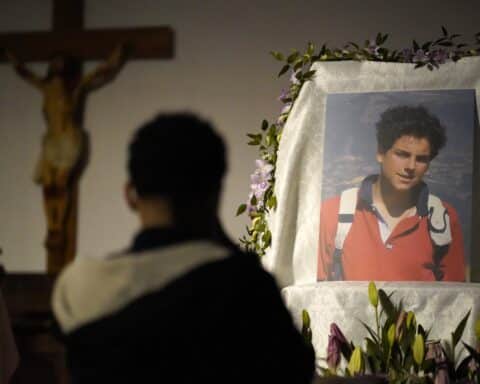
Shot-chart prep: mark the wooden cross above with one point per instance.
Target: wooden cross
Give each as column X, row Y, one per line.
column 68, row 35
column 65, row 145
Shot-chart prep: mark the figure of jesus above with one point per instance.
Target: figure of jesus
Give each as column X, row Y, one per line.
column 65, row 146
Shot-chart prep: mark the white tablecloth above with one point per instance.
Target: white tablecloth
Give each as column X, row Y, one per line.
column 438, row 306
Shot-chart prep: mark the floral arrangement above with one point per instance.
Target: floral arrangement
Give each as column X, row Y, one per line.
column 398, row 349
column 262, row 199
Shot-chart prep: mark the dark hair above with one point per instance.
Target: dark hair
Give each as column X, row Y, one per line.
column 176, row 155
column 401, row 121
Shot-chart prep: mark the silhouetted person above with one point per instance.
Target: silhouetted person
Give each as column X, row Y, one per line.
column 182, row 305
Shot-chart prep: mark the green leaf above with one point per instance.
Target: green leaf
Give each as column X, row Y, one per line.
column 296, row 68
column 416, row 47
column 407, row 340
column 372, row 347
column 386, row 303
column 418, row 349
column 284, row 69
column 305, row 318
column 242, row 208
column 370, row 331
column 255, row 136
column 472, row 351
column 391, row 335
column 268, row 140
column 277, row 55
column 426, row 46
column 308, row 74
column 310, row 49
column 267, row 238
column 457, row 334
column 292, row 57
column 444, row 31
column 264, row 125
column 421, row 331
column 477, row 329
column 306, row 330
column 272, row 202
column 410, row 319
column 373, row 294
column 355, row 45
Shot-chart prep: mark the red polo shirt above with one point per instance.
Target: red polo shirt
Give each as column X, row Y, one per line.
column 404, row 255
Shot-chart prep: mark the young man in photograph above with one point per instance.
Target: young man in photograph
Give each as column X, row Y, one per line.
column 392, row 228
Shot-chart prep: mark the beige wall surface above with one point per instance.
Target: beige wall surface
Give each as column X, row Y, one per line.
column 221, row 70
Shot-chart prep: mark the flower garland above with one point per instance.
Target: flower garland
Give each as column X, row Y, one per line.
column 399, row 350
column 262, row 199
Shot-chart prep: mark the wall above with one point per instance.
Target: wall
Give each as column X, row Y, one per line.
column 221, row 70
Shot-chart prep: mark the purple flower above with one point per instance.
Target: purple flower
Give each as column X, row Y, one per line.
column 336, row 340
column 293, row 78
column 281, row 121
column 441, row 376
column 439, row 56
column 259, row 189
column 284, row 95
column 420, row 56
column 252, row 209
column 286, row 108
column 406, row 55
column 264, row 168
column 373, row 48
column 473, row 365
column 260, row 182
column 436, row 352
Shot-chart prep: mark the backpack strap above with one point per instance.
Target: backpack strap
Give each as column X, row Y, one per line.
column 440, row 234
column 438, row 222
column 348, row 204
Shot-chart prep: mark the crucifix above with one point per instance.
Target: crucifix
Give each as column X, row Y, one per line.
column 64, row 153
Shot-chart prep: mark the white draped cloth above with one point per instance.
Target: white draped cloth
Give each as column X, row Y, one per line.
column 292, row 257
column 437, row 306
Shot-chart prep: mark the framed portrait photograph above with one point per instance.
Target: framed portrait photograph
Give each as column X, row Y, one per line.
column 377, row 175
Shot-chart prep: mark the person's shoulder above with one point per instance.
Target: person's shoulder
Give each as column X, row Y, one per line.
column 239, row 258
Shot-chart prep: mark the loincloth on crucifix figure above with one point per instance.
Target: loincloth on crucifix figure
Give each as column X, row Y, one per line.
column 64, row 150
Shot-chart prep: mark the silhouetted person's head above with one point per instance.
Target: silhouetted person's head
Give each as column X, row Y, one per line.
column 176, row 164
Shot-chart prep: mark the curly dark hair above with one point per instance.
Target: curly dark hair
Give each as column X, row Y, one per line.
column 176, row 155
column 405, row 120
